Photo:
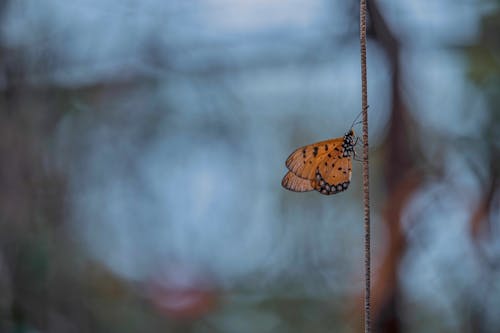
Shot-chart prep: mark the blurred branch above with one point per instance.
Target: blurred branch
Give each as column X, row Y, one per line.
column 480, row 221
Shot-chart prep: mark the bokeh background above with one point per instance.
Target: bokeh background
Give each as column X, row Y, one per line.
column 142, row 145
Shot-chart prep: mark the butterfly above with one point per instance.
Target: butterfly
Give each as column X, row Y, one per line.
column 324, row 166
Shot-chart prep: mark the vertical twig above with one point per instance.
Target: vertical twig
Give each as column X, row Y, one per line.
column 366, row 192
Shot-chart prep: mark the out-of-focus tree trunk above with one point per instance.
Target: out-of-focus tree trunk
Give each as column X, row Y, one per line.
column 31, row 197
column 400, row 179
column 484, row 70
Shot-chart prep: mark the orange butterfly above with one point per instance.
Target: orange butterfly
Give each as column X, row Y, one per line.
column 324, row 166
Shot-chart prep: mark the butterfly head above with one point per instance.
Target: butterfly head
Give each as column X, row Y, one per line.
column 349, row 143
column 349, row 137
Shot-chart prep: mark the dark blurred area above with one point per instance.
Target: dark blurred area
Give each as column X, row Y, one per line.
column 142, row 145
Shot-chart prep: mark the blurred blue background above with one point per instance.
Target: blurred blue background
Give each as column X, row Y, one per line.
column 142, row 146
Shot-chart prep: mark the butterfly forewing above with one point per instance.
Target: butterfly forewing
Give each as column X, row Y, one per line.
column 304, row 161
column 294, row 183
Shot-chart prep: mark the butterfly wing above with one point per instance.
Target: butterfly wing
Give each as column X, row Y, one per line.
column 324, row 166
column 304, row 161
column 294, row 183
column 333, row 175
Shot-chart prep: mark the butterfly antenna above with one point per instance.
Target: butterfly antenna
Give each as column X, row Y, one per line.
column 357, row 117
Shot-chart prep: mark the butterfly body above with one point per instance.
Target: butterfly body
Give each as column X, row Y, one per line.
column 324, row 166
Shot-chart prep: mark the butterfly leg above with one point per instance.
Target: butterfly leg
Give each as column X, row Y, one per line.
column 354, row 157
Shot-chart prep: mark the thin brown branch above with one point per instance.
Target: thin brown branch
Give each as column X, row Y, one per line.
column 366, row 183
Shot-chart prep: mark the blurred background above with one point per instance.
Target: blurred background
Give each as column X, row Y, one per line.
column 142, row 146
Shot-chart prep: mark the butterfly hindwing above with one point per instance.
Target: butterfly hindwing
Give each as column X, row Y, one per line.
column 334, row 176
